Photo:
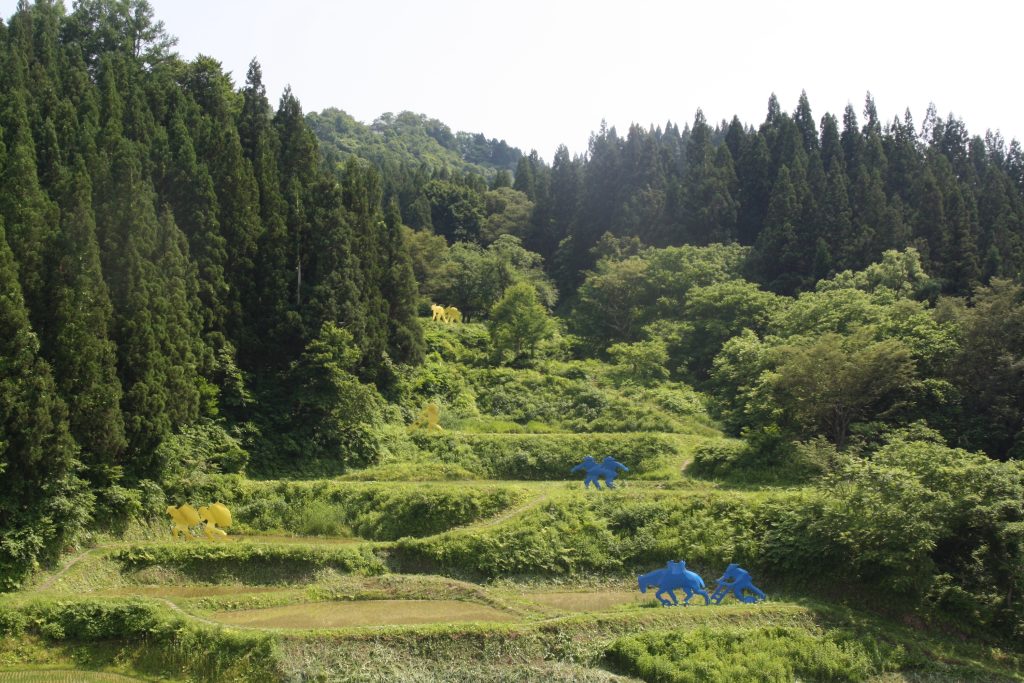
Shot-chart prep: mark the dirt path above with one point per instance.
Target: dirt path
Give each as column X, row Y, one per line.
column 502, row 517
column 64, row 570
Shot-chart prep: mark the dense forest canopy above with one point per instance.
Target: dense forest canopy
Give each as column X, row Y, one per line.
column 195, row 279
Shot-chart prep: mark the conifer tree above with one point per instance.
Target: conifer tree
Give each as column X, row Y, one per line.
column 405, row 336
column 29, row 215
column 43, row 505
column 83, row 356
column 778, row 250
column 273, row 273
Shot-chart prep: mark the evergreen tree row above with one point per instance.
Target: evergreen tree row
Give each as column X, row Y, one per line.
column 812, row 198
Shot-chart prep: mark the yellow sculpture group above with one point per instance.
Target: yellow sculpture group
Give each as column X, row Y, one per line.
column 217, row 518
column 446, row 315
column 428, row 419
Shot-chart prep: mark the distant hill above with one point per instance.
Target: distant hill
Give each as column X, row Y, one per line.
column 409, row 139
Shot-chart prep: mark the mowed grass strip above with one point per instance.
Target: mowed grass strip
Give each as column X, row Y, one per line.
column 347, row 614
column 63, row 676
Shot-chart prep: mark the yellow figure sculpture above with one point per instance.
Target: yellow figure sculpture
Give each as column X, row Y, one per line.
column 438, row 312
column 214, row 515
column 428, row 419
column 183, row 518
column 452, row 315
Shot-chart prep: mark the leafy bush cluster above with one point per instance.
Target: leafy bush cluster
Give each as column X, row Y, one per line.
column 763, row 458
column 161, row 641
column 545, row 456
column 558, row 539
column 374, row 511
column 766, row 654
column 575, row 400
column 252, row 562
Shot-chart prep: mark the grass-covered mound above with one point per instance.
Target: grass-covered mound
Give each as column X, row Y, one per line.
column 369, row 510
column 249, row 562
column 552, row 456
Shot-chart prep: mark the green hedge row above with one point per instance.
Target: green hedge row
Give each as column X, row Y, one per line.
column 250, row 562
column 766, row 654
column 629, row 530
column 154, row 639
column 370, row 510
column 546, row 456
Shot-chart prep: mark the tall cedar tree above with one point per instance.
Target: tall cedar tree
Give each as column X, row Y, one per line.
column 43, row 505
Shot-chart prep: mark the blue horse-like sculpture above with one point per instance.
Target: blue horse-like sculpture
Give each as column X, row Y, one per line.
column 592, row 469
column 736, row 579
column 674, row 575
column 607, row 468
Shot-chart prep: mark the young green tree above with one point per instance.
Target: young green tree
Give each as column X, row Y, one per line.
column 518, row 322
column 831, row 383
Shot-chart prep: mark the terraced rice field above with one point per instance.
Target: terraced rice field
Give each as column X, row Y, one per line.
column 363, row 613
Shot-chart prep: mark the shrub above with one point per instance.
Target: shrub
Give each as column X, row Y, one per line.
column 379, row 512
column 250, row 562
column 768, row 654
column 545, row 456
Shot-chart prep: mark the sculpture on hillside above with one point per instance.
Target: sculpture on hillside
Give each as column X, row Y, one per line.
column 452, row 315
column 183, row 518
column 438, row 312
column 428, row 419
column 215, row 515
column 594, row 470
column 674, row 575
column 610, row 468
column 736, row 579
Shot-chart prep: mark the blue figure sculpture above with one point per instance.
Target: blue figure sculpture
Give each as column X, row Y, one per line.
column 736, row 579
column 610, row 469
column 593, row 470
column 674, row 575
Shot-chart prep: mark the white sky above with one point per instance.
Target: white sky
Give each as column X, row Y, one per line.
column 543, row 72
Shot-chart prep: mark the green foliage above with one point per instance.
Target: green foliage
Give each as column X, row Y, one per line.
column 476, row 278
column 987, row 370
column 829, row 384
column 578, row 398
column 332, row 417
column 408, row 139
column 200, row 449
column 518, row 323
column 765, row 654
column 546, row 456
column 621, row 296
column 43, row 504
column 765, row 458
column 154, row 639
column 370, row 510
column 643, row 362
column 249, row 561
column 559, row 539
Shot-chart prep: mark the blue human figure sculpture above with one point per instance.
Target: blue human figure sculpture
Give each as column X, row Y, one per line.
column 610, row 469
column 593, row 471
column 674, row 575
column 736, row 579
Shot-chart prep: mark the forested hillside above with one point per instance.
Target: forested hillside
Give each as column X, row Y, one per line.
column 804, row 336
column 169, row 238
